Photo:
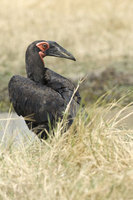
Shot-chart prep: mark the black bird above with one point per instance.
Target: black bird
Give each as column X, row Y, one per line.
column 44, row 94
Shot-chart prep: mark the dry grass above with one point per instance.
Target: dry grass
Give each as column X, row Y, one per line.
column 92, row 160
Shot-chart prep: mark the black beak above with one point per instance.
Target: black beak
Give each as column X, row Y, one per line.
column 57, row 51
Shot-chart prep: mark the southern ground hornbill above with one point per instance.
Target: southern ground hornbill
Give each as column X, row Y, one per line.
column 43, row 96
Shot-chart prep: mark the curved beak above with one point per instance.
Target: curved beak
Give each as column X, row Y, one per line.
column 58, row 51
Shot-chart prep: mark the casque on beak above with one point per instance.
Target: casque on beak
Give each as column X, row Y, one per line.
column 58, row 51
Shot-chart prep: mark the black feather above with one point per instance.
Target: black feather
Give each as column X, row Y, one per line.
column 43, row 100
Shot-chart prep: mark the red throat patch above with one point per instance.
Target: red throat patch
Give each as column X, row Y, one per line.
column 42, row 55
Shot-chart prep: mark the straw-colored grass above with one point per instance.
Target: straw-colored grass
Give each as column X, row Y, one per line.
column 92, row 160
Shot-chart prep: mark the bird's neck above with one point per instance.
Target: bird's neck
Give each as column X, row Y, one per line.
column 35, row 67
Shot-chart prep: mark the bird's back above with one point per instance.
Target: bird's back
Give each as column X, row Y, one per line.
column 62, row 85
column 41, row 103
column 30, row 98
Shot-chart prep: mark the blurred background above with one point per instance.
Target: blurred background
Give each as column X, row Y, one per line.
column 98, row 33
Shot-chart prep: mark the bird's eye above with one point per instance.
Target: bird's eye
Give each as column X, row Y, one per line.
column 44, row 46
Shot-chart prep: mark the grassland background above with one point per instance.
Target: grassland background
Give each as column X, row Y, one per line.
column 98, row 33
column 95, row 162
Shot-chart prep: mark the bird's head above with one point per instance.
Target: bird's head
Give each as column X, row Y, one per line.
column 51, row 48
column 35, row 53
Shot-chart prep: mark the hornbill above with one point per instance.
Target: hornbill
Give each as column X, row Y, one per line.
column 43, row 96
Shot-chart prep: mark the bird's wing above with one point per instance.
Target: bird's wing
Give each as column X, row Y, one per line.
column 61, row 85
column 36, row 101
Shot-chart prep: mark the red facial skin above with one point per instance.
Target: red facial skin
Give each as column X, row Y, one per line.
column 42, row 48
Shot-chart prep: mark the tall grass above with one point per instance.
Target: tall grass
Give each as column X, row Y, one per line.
column 92, row 160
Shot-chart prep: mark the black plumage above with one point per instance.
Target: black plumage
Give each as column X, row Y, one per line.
column 44, row 94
